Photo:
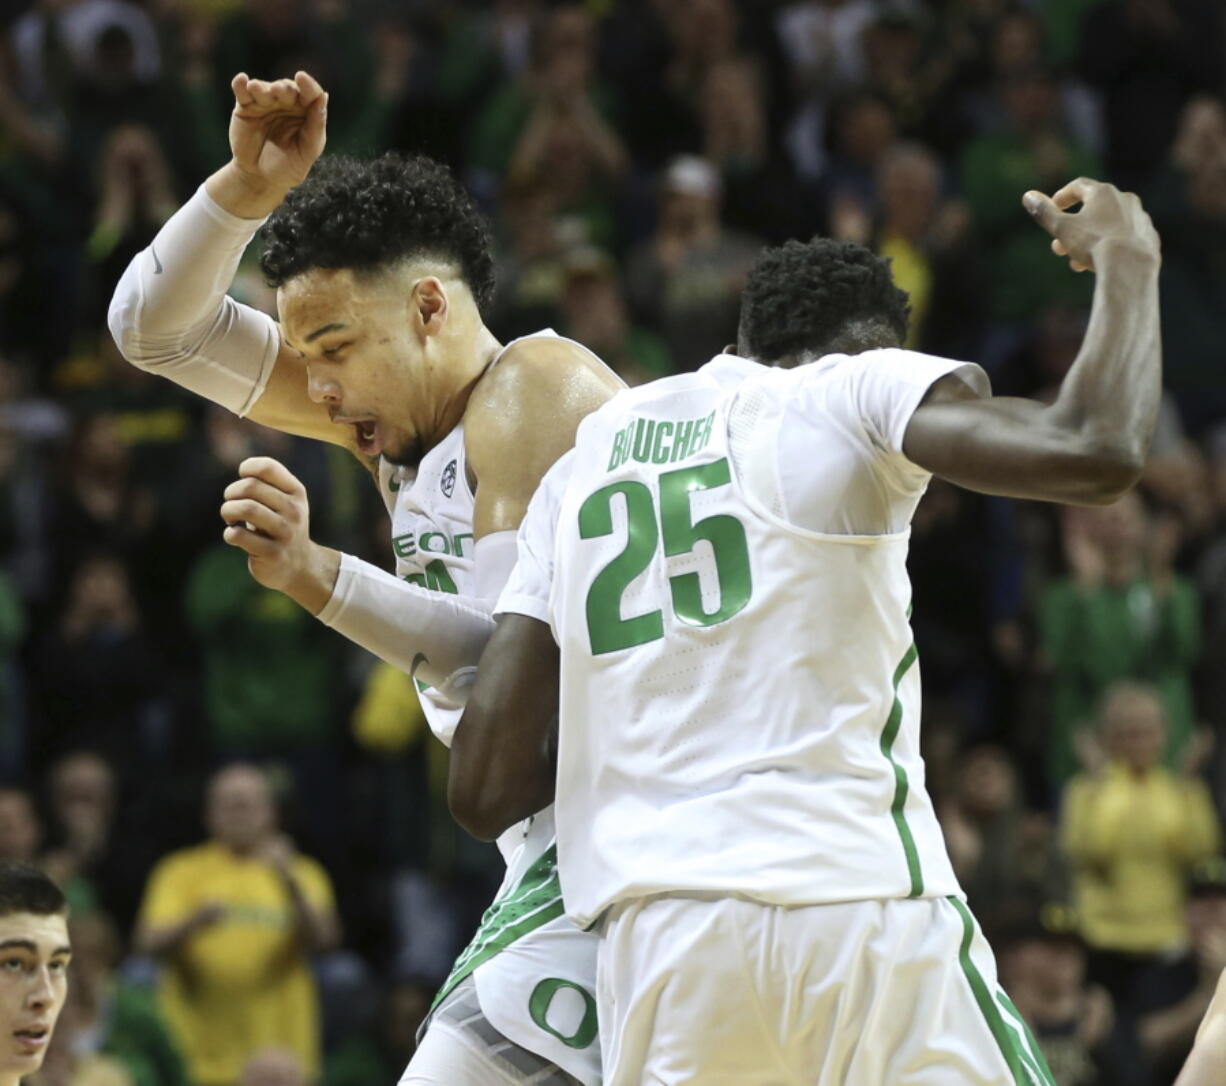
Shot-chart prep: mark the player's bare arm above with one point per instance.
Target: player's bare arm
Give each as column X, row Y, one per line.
column 1206, row 1064
column 1089, row 446
column 522, row 417
column 504, row 751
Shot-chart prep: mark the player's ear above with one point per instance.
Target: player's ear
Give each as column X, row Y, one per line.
column 429, row 305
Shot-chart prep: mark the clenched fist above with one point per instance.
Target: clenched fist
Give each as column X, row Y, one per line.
column 278, row 129
column 268, row 516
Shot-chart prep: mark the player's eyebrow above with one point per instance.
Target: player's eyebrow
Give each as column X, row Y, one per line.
column 28, row 944
column 333, row 327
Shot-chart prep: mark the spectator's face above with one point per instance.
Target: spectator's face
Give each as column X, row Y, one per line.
column 84, row 788
column 102, row 584
column 1030, row 100
column 988, row 784
column 683, row 212
column 93, row 950
column 1059, row 965
column 1118, row 529
column 240, row 808
column 33, row 984
column 1135, row 729
column 732, row 99
column 570, row 37
column 594, row 310
column 20, row 833
column 909, row 193
column 101, row 446
column 866, row 129
column 376, row 348
column 890, row 50
column 1017, row 43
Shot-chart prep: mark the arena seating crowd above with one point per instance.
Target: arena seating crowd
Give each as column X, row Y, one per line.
column 633, row 155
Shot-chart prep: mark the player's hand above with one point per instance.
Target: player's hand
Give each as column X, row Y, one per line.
column 268, row 516
column 277, row 130
column 1108, row 217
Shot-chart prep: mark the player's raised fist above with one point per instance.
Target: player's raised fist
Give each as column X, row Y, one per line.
column 1108, row 218
column 278, row 129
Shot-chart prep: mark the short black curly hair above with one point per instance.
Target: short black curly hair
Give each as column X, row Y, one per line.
column 367, row 214
column 807, row 299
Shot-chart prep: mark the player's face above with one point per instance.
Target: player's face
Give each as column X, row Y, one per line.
column 365, row 340
column 33, row 983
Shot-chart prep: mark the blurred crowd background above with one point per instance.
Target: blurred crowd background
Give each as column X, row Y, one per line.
column 249, row 814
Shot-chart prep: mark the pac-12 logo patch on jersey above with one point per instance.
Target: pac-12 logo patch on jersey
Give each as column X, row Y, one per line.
column 447, row 483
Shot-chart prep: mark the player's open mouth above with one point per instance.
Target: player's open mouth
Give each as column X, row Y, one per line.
column 367, row 434
column 33, row 1039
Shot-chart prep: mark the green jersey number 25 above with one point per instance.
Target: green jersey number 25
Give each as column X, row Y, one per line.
column 675, row 526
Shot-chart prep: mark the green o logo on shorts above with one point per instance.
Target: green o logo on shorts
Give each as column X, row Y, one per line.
column 541, row 1000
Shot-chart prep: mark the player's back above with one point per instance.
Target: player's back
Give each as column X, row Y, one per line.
column 740, row 696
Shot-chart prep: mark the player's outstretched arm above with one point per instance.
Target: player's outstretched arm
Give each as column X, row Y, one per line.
column 1089, row 446
column 170, row 314
column 1206, row 1064
column 503, row 755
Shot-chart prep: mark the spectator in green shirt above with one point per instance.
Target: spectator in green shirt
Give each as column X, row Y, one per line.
column 268, row 674
column 1122, row 614
column 1031, row 151
column 107, row 1016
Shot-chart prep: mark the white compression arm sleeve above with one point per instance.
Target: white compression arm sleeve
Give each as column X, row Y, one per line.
column 170, row 314
column 434, row 636
column 494, row 557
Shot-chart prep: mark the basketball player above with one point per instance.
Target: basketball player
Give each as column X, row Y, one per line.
column 1206, row 1064
column 722, row 560
column 382, row 270
column 34, row 954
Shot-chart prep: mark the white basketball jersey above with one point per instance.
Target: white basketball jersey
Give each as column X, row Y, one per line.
column 740, row 695
column 525, row 945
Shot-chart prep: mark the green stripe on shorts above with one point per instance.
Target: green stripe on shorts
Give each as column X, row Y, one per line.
column 531, row 903
column 1017, row 1045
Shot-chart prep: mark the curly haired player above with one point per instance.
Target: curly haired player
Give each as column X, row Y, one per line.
column 722, row 562
column 382, row 269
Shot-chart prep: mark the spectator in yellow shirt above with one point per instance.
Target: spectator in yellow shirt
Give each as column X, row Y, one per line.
column 1132, row 829
column 234, row 921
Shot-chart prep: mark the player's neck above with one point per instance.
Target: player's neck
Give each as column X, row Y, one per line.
column 464, row 356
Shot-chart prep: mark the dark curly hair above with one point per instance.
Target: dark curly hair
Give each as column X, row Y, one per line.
column 807, row 299
column 367, row 214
